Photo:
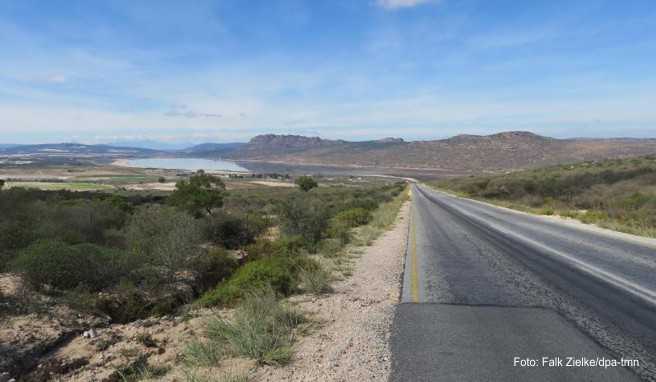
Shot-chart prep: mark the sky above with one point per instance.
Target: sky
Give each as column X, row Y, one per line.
column 226, row 70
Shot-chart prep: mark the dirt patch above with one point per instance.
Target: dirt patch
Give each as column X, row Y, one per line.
column 151, row 186
column 31, row 326
column 273, row 184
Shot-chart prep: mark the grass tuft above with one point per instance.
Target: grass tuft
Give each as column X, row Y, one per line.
column 262, row 329
column 205, row 354
column 315, row 280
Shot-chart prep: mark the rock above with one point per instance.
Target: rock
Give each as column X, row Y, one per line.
column 91, row 333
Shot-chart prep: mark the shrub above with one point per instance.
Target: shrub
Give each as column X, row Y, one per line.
column 17, row 233
column 353, row 217
column 262, row 329
column 212, row 268
column 78, row 221
column 284, row 246
column 233, row 231
column 276, row 273
column 56, row 264
column 164, row 239
column 306, row 217
column 363, row 201
column 306, row 183
column 341, row 224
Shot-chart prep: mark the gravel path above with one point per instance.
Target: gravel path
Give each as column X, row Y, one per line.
column 352, row 343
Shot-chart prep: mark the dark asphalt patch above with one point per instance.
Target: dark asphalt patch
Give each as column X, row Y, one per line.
column 438, row 342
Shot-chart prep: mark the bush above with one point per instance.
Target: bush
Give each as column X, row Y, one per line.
column 261, row 329
column 163, row 239
column 284, row 246
column 306, row 217
column 343, row 222
column 212, row 268
column 278, row 273
column 353, row 217
column 79, row 221
column 306, row 183
column 59, row 265
column 364, row 202
column 233, row 231
column 16, row 233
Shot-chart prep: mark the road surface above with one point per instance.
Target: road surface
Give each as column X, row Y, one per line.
column 485, row 287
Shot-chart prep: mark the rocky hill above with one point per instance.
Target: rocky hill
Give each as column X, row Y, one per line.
column 462, row 153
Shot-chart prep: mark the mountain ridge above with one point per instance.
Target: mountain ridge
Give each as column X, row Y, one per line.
column 506, row 150
column 464, row 153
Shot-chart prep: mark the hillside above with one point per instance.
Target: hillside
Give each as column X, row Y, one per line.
column 462, row 153
column 617, row 193
column 210, row 149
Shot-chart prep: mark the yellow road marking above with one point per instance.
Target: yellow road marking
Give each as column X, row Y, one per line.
column 414, row 278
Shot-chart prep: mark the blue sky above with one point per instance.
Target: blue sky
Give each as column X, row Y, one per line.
column 225, row 70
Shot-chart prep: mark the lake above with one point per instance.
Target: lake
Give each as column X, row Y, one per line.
column 190, row 164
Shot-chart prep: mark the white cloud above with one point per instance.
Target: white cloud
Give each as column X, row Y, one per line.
column 396, row 4
column 57, row 79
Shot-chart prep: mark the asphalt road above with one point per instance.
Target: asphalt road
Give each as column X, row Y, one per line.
column 484, row 285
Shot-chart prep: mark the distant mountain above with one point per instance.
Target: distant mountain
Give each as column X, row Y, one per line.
column 151, row 144
column 7, row 146
column 215, row 150
column 76, row 149
column 461, row 153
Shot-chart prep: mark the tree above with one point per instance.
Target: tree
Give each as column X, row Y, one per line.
column 2, row 183
column 164, row 238
column 306, row 183
column 201, row 193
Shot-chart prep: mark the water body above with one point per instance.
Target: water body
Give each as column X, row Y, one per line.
column 189, row 164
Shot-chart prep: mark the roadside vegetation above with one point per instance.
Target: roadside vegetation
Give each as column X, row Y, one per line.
column 127, row 257
column 619, row 194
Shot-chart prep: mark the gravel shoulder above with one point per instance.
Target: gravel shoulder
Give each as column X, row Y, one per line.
column 352, row 341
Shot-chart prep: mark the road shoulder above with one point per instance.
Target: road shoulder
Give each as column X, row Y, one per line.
column 352, row 341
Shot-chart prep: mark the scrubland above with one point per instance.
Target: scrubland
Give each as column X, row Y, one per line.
column 111, row 259
column 619, row 194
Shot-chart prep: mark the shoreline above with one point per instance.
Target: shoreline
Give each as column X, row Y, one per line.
column 126, row 163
